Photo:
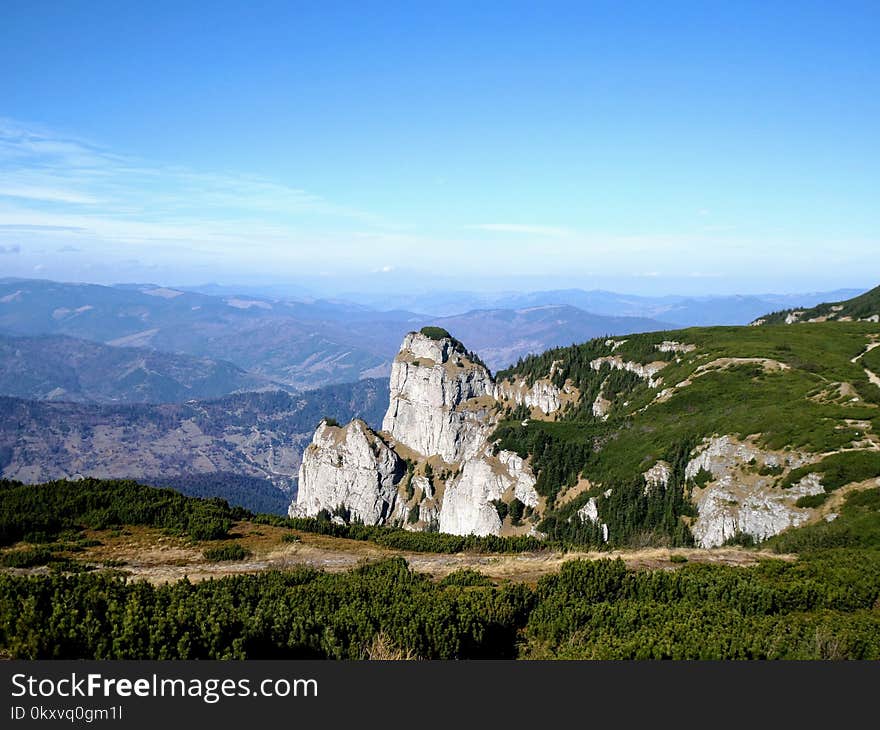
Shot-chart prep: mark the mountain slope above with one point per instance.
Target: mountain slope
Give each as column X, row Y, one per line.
column 682, row 311
column 251, row 435
column 57, row 367
column 298, row 344
column 743, row 422
column 863, row 307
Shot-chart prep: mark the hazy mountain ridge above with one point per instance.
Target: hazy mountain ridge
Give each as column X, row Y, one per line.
column 684, row 311
column 59, row 367
column 303, row 344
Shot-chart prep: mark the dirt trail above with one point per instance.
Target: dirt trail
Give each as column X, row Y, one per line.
column 872, row 376
column 867, row 349
column 149, row 555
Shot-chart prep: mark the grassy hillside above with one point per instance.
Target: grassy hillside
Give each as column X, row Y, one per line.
column 789, row 388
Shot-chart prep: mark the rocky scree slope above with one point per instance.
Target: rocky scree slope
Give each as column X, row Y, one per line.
column 704, row 435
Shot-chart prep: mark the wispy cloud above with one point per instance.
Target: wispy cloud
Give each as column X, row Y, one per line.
column 36, row 192
column 521, row 229
column 15, row 248
column 51, row 183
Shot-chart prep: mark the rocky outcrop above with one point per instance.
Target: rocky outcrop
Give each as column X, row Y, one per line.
column 543, row 394
column 601, row 407
column 352, row 467
column 442, row 405
column 727, row 508
column 590, row 513
column 435, row 406
column 673, row 346
column 721, row 454
column 616, row 362
column 738, row 500
column 467, row 501
column 657, row 476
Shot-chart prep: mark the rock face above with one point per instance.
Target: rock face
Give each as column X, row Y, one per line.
column 737, row 500
column 720, row 455
column 350, row 467
column 442, row 405
column 590, row 513
column 542, row 395
column 433, row 466
column 646, row 372
column 467, row 502
column 727, row 509
column 434, row 408
column 657, row 477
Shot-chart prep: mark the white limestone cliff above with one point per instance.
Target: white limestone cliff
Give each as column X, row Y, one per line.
column 590, row 513
column 442, row 405
column 728, row 508
column 646, row 372
column 657, row 476
column 352, row 467
column 467, row 502
column 435, row 406
column 543, row 394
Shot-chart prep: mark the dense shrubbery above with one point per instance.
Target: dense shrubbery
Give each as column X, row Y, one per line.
column 230, row 551
column 25, row 558
column 27, row 511
column 256, row 494
column 819, row 607
column 562, row 451
column 435, row 333
column 302, row 614
column 556, row 460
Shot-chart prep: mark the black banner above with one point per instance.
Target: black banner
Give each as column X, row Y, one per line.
column 459, row 694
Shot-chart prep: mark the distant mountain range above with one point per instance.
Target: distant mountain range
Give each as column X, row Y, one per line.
column 502, row 336
column 148, row 343
column 297, row 344
column 681, row 311
column 62, row 368
column 246, row 447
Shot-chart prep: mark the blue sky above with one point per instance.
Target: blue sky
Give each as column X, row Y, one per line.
column 690, row 147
